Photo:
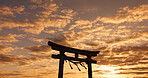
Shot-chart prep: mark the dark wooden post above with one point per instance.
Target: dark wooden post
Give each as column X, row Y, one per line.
column 89, row 67
column 61, row 65
column 76, row 55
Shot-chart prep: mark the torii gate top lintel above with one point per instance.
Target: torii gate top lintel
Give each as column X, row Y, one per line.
column 71, row 50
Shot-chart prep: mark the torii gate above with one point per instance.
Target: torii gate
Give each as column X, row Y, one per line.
column 62, row 57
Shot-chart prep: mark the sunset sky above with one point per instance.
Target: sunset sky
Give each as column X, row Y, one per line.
column 117, row 28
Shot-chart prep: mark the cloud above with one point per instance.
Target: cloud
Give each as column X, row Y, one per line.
column 50, row 16
column 26, row 73
column 82, row 24
column 123, row 55
column 19, row 60
column 9, row 74
column 137, row 73
column 68, row 14
column 59, row 39
column 33, row 30
column 7, row 59
column 38, row 49
column 119, row 44
column 142, row 48
column 36, row 1
column 31, row 60
column 48, row 72
column 36, row 39
column 34, row 18
column 50, row 31
column 69, row 73
column 91, row 44
column 11, row 37
column 11, row 11
column 139, row 68
column 4, row 49
column 136, row 14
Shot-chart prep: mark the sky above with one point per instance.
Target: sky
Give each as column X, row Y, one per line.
column 116, row 28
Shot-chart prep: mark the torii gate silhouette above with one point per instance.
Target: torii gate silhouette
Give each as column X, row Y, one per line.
column 62, row 49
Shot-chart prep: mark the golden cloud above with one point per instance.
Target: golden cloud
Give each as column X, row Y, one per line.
column 5, row 10
column 36, row 22
column 36, row 1
column 35, row 39
column 11, row 37
column 33, row 30
column 4, row 49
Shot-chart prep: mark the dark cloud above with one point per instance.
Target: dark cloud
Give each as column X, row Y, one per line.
column 38, row 49
column 142, row 62
column 98, row 71
column 16, row 59
column 48, row 72
column 41, row 67
column 112, row 62
column 140, row 77
column 138, row 73
column 118, row 39
column 28, row 76
column 134, row 69
column 59, row 39
column 124, row 55
column 2, row 47
column 114, row 41
column 31, row 59
column 7, row 58
column 82, row 7
column 142, row 48
column 140, row 68
column 91, row 44
column 10, row 74
column 145, row 58
column 69, row 73
column 120, row 61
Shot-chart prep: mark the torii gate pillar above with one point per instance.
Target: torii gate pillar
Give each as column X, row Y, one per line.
column 61, row 64
column 89, row 67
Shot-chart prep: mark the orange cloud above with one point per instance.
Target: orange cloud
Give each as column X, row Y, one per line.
column 33, row 30
column 5, row 10
column 36, row 22
column 50, row 31
column 35, row 39
column 36, row 1
column 4, row 49
column 10, row 37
